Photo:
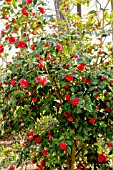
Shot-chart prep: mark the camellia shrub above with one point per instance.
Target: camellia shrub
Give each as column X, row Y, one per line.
column 63, row 76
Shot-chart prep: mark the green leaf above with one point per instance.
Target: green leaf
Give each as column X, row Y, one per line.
column 69, row 150
column 79, row 137
column 69, row 142
column 34, row 2
column 91, row 89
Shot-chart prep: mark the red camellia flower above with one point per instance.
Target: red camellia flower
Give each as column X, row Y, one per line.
column 69, row 77
column 102, row 78
column 109, row 144
column 44, row 152
column 102, row 158
column 70, row 119
column 107, row 109
column 8, row 0
column 12, row 168
column 28, row 1
column 30, row 138
column 49, row 58
column 66, row 86
column 37, row 140
column 42, row 10
column 81, row 66
column 63, row 145
column 88, row 80
column 40, row 167
column 2, row 32
column 34, row 100
column 75, row 101
column 1, row 48
column 68, row 97
column 96, row 96
column 40, row 64
column 66, row 114
column 37, row 26
column 21, row 44
column 23, row 82
column 32, row 47
column 31, row 134
column 95, row 87
column 111, row 81
column 85, row 168
column 12, row 40
column 12, row 82
column 43, row 80
column 92, row 120
column 50, row 138
column 24, row 12
column 47, row 44
column 59, row 47
column 100, row 52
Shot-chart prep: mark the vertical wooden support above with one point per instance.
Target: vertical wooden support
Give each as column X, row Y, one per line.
column 79, row 10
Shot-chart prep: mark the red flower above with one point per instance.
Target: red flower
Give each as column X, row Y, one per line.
column 31, row 134
column 12, row 168
column 12, row 82
column 37, row 26
column 28, row 1
column 88, row 80
column 59, row 47
column 21, row 44
column 68, row 97
column 34, row 100
column 30, row 138
column 32, row 47
column 71, row 119
column 47, row 44
column 44, row 152
column 23, row 82
column 81, row 66
column 100, row 52
column 86, row 168
column 40, row 167
column 102, row 158
column 43, row 80
column 24, row 12
column 96, row 96
column 63, row 145
column 8, row 0
column 2, row 32
column 40, row 64
column 49, row 58
column 102, row 78
column 69, row 77
column 12, row 40
column 109, row 144
column 75, row 101
column 66, row 86
column 95, row 87
column 50, row 138
column 111, row 81
column 92, row 120
column 66, row 114
column 42, row 10
column 107, row 109
column 1, row 48
column 37, row 140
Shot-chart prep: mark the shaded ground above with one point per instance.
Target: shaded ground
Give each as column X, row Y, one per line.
column 6, row 143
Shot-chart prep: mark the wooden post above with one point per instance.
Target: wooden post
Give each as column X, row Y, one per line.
column 79, row 10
